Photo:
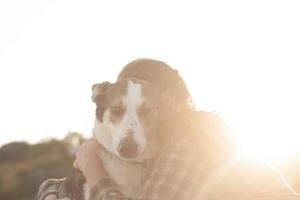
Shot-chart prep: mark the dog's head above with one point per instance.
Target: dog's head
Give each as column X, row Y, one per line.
column 126, row 118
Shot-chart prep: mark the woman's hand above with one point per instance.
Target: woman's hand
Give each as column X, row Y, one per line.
column 88, row 161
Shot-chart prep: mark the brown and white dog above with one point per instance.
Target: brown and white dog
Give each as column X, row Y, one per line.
column 126, row 126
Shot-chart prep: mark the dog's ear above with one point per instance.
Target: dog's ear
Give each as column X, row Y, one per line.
column 98, row 90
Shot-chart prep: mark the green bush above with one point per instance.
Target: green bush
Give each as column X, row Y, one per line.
column 23, row 167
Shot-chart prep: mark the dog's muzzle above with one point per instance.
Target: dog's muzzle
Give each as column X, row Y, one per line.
column 128, row 148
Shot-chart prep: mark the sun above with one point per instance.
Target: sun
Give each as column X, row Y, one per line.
column 266, row 137
column 266, row 147
column 267, row 126
column 264, row 120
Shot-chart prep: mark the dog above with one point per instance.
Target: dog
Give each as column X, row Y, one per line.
column 127, row 117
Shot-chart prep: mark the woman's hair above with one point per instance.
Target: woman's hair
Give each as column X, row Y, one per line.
column 204, row 127
column 177, row 105
column 161, row 76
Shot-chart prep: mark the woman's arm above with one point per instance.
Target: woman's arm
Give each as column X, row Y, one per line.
column 89, row 163
column 49, row 189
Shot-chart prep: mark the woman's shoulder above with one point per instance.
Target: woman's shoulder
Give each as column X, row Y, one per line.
column 211, row 135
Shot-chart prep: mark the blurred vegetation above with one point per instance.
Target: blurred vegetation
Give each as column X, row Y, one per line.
column 23, row 167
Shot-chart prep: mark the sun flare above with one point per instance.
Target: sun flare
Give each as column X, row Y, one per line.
column 266, row 137
column 263, row 111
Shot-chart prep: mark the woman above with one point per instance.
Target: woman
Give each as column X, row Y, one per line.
column 197, row 161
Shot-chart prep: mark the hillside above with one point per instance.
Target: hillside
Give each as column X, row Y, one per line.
column 23, row 167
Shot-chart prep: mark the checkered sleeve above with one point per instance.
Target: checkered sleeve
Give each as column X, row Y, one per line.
column 50, row 186
column 184, row 164
column 106, row 189
column 172, row 175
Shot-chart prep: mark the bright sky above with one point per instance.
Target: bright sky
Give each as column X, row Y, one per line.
column 241, row 58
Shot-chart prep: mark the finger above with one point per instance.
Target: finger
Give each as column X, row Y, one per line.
column 80, row 149
column 76, row 161
column 75, row 164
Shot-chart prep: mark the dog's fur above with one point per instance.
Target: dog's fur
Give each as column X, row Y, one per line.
column 127, row 116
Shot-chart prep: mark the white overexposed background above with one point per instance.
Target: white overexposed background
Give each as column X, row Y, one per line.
column 239, row 58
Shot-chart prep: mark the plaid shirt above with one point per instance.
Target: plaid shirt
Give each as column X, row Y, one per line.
column 186, row 171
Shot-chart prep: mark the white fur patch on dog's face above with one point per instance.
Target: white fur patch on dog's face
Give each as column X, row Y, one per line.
column 130, row 123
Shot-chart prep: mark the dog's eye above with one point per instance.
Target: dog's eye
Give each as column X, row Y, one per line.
column 146, row 109
column 116, row 110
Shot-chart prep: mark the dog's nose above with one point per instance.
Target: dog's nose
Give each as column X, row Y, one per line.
column 128, row 147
